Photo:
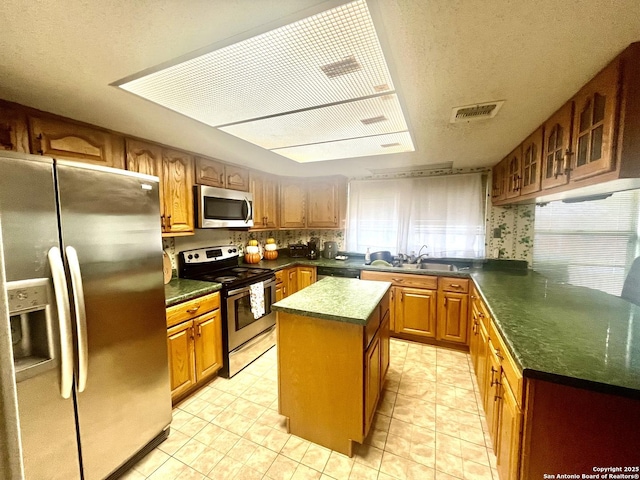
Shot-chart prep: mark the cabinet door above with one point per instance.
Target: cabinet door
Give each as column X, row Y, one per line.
column 385, row 347
column 453, row 316
column 208, row 344
column 483, row 358
column 531, row 163
column 323, row 204
column 181, row 358
column 306, row 276
column 372, row 378
column 13, row 130
column 416, row 311
column 508, row 432
column 492, row 399
column 556, row 146
column 209, row 172
column 293, row 203
column 594, row 123
column 292, row 281
column 236, row 178
column 146, row 158
column 499, row 175
column 177, row 177
column 514, row 163
column 279, row 291
column 264, row 189
column 60, row 139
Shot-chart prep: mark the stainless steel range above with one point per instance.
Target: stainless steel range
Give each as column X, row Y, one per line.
column 248, row 324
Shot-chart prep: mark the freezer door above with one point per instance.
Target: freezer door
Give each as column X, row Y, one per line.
column 29, row 229
column 110, row 220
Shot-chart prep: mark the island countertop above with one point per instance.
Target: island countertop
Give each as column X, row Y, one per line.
column 334, row 298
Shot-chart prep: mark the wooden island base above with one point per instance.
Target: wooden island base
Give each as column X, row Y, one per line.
column 330, row 375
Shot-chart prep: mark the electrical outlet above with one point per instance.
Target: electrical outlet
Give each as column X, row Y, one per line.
column 497, row 233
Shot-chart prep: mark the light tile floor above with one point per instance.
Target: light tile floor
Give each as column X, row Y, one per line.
column 429, row 425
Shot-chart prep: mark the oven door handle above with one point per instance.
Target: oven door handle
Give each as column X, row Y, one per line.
column 240, row 291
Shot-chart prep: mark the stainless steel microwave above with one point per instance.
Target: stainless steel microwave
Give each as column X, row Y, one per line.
column 220, row 208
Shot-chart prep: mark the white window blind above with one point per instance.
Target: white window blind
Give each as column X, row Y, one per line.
column 590, row 244
column 401, row 215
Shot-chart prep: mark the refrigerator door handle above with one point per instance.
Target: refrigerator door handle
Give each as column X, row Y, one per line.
column 81, row 316
column 64, row 319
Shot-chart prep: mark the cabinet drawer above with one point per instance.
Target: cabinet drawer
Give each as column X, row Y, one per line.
column 402, row 279
column 506, row 361
column 452, row 284
column 192, row 308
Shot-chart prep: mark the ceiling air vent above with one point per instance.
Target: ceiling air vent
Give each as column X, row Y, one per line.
column 342, row 67
column 478, row 111
column 378, row 119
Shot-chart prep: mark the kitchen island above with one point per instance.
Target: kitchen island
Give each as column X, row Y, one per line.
column 333, row 355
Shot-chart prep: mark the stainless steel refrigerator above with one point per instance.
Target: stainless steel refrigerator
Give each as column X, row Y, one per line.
column 84, row 289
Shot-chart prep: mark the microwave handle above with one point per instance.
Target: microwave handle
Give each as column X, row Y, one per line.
column 246, row 200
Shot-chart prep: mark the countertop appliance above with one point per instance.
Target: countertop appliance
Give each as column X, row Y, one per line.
column 298, row 250
column 312, row 248
column 330, row 250
column 222, row 208
column 83, row 260
column 245, row 335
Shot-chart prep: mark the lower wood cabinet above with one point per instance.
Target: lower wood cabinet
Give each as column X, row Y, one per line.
column 290, row 280
column 415, row 311
column 453, row 309
column 194, row 341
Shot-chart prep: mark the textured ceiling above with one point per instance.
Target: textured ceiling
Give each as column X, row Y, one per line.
column 61, row 56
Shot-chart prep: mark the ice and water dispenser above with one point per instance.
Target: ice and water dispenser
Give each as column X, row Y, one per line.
column 30, row 310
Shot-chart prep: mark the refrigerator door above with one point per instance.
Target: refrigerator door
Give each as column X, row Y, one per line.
column 29, row 229
column 110, row 222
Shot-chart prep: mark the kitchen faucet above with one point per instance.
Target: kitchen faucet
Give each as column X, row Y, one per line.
column 422, row 255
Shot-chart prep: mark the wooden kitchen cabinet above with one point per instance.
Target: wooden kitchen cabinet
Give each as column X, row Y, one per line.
column 324, row 202
column 372, row 380
column 531, row 163
column 264, row 188
column 514, row 179
column 294, row 279
column 60, row 138
column 293, row 203
column 306, row 276
column 508, row 432
column 280, row 285
column 14, row 135
column 415, row 310
column 194, row 342
column 453, row 309
column 499, row 175
column 222, row 175
column 177, row 185
column 594, row 123
column 556, row 147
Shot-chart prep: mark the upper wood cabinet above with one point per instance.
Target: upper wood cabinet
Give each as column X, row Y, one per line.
column 61, row 139
column 531, row 163
column 556, row 147
column 499, row 181
column 217, row 174
column 324, row 202
column 594, row 123
column 514, row 180
column 177, row 184
column 13, row 130
column 293, row 203
column 264, row 188
column 175, row 170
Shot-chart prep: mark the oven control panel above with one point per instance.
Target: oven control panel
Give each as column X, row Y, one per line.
column 209, row 254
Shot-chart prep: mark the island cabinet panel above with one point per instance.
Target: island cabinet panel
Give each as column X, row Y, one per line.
column 372, row 380
column 565, row 427
column 321, row 391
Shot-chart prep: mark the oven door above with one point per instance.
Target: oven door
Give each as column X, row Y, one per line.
column 241, row 324
column 222, row 208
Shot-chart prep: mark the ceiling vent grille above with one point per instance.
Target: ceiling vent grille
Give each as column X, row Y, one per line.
column 389, row 145
column 378, row 119
column 342, row 67
column 478, row 111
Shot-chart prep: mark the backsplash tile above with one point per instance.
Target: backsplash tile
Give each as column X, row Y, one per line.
column 515, row 226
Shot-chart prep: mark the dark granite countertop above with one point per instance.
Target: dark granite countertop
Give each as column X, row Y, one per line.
column 566, row 334
column 334, row 298
column 180, row 290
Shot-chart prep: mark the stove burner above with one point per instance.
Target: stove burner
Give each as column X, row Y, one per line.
column 225, row 279
column 239, row 270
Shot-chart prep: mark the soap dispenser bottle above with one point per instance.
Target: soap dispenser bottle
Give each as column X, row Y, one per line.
column 367, row 257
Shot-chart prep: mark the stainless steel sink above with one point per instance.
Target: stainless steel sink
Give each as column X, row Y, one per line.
column 443, row 267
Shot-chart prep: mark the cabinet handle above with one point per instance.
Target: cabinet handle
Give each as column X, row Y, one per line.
column 222, row 179
column 191, row 333
column 335, row 220
column 169, row 222
column 496, row 398
column 194, row 309
column 445, row 301
column 567, row 162
column 481, row 315
column 498, row 354
column 473, row 297
column 402, row 296
column 199, row 330
column 494, row 382
column 164, row 227
column 455, row 285
column 40, row 150
column 397, row 280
